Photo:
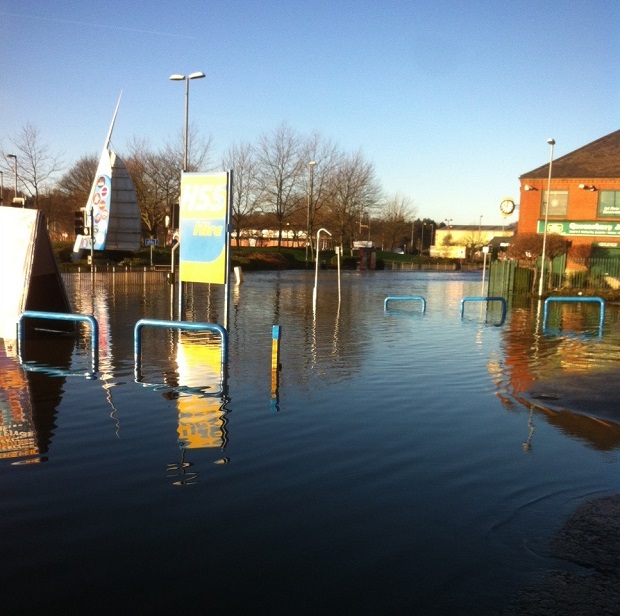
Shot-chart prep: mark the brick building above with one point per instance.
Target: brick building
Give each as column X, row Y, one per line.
column 585, row 198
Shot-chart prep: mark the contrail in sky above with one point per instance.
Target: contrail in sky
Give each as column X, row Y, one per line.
column 95, row 25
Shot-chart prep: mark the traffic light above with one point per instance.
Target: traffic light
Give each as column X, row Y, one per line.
column 78, row 222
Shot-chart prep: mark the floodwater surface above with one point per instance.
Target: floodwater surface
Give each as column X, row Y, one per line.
column 400, row 461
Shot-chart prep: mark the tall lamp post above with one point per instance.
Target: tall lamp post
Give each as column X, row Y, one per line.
column 1, row 187
column 186, row 79
column 311, row 166
column 14, row 157
column 551, row 143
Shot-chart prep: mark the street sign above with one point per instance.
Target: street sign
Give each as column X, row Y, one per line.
column 150, row 241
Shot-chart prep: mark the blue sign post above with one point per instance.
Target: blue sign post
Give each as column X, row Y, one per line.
column 151, row 241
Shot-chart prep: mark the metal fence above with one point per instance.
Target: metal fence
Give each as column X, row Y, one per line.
column 448, row 267
column 508, row 277
column 83, row 278
column 592, row 274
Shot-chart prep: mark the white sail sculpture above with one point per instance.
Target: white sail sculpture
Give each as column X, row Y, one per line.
column 112, row 212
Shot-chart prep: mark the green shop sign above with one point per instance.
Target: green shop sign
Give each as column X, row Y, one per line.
column 583, row 227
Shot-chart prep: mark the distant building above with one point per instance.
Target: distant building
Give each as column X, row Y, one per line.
column 455, row 241
column 585, row 198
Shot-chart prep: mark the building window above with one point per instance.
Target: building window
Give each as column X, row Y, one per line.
column 558, row 206
column 608, row 203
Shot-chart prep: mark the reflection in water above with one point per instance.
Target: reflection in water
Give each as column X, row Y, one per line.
column 527, row 446
column 18, row 434
column 29, row 398
column 394, row 479
column 185, row 364
column 202, row 416
column 100, row 303
column 569, row 378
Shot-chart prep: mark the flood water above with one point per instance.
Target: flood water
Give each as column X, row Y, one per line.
column 402, row 462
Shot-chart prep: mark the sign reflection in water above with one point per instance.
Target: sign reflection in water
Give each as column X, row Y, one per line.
column 29, row 398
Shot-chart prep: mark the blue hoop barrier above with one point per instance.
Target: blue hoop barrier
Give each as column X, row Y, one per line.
column 63, row 316
column 575, row 300
column 406, row 298
column 486, row 299
column 184, row 325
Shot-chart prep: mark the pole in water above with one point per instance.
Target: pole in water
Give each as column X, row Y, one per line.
column 275, row 361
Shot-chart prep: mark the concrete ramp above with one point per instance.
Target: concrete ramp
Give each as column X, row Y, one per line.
column 29, row 275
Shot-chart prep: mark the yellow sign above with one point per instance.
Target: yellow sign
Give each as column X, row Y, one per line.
column 203, row 227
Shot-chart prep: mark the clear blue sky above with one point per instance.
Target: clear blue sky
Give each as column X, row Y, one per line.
column 450, row 99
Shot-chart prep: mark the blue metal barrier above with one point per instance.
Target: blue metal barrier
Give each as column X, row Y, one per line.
column 406, row 298
column 184, row 325
column 575, row 300
column 63, row 316
column 486, row 299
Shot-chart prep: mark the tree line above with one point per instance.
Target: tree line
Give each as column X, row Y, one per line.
column 284, row 181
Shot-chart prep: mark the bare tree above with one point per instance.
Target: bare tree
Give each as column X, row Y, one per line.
column 247, row 194
column 355, row 192
column 76, row 183
column 396, row 211
column 198, row 151
column 156, row 175
column 326, row 157
column 527, row 247
column 36, row 163
column 473, row 241
column 148, row 172
column 71, row 193
column 281, row 173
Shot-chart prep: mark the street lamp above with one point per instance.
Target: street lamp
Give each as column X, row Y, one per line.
column 311, row 165
column 316, row 270
column 14, row 157
column 176, row 77
column 449, row 222
column 1, row 187
column 551, row 142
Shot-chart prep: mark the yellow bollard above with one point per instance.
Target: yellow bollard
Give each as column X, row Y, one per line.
column 275, row 360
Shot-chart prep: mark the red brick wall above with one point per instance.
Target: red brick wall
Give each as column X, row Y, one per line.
column 582, row 204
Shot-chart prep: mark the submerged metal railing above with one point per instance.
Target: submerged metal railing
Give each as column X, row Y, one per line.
column 180, row 325
column 487, row 300
column 574, row 300
column 63, row 316
column 405, row 298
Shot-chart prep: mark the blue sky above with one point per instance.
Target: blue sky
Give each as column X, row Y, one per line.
column 450, row 99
